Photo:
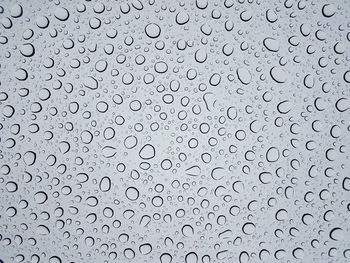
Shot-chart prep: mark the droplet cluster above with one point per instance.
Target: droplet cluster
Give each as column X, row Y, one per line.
column 174, row 131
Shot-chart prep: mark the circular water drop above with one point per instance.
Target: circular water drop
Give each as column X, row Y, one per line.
column 248, row 228
column 40, row 197
column 182, row 18
column 271, row 44
column 278, row 75
column 29, row 158
column 27, row 50
column 61, row 13
column 328, row 10
column 272, row 154
column 147, row 152
column 132, row 193
column 16, row 11
column 152, row 30
column 244, row 75
column 191, row 258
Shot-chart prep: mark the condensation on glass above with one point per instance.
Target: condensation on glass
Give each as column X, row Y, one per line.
column 174, row 131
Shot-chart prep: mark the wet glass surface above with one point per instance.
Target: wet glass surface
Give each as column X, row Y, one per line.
column 174, row 131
